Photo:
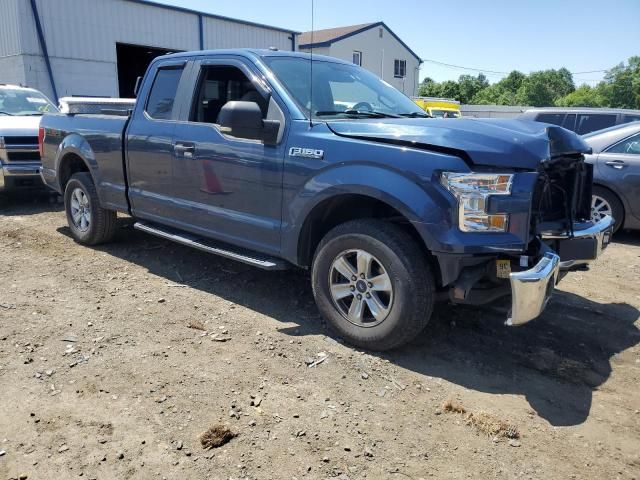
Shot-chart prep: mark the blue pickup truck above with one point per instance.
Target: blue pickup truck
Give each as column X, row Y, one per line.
column 274, row 160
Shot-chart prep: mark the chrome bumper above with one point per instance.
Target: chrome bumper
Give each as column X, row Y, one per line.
column 24, row 169
column 531, row 289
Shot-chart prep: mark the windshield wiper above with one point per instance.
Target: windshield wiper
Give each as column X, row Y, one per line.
column 6, row 113
column 416, row 115
column 34, row 114
column 363, row 113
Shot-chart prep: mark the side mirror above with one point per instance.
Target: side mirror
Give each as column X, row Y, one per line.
column 244, row 120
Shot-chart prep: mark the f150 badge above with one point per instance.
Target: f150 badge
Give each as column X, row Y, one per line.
column 306, row 153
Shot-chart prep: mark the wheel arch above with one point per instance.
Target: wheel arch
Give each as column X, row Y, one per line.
column 346, row 196
column 74, row 155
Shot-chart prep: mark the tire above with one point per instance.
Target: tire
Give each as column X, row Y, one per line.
column 603, row 201
column 90, row 224
column 407, row 291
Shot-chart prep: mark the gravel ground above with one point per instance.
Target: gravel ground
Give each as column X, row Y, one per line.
column 114, row 360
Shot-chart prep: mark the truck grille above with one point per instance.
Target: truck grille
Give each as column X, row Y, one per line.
column 14, row 141
column 20, row 149
column 23, row 156
column 562, row 194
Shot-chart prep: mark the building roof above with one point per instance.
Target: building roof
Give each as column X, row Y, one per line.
column 324, row 38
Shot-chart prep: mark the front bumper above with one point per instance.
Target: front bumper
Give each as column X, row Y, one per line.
column 531, row 289
column 17, row 176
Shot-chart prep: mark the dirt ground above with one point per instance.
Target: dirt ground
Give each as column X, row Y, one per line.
column 114, row 360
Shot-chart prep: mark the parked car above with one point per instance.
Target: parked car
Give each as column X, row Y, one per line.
column 439, row 107
column 616, row 175
column 233, row 152
column 20, row 112
column 582, row 120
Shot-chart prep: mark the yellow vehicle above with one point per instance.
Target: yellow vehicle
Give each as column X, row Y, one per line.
column 439, row 107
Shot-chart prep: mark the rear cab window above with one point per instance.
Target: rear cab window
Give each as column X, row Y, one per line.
column 163, row 93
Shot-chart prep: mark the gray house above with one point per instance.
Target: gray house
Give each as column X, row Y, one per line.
column 373, row 46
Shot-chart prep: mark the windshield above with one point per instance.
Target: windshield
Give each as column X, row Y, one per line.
column 339, row 90
column 438, row 113
column 15, row 101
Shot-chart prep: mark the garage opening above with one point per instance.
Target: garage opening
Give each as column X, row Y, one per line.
column 133, row 61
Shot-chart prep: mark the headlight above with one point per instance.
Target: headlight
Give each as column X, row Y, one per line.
column 472, row 190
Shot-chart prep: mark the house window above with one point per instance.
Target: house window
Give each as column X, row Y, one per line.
column 380, row 32
column 357, row 58
column 399, row 68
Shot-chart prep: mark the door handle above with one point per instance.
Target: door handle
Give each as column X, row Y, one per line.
column 185, row 149
column 617, row 164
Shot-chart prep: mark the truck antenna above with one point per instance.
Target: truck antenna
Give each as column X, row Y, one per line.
column 311, row 68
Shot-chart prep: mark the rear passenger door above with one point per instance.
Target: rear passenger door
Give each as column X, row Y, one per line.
column 225, row 187
column 149, row 149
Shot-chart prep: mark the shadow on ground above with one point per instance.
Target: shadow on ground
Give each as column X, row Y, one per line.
column 556, row 362
column 30, row 203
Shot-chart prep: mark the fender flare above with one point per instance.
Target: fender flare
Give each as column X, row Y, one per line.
column 420, row 204
column 77, row 145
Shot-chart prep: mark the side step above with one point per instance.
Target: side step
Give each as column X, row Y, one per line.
column 211, row 246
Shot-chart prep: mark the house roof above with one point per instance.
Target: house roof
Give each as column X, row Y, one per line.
column 326, row 37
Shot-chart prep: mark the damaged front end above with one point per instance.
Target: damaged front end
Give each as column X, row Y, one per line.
column 561, row 236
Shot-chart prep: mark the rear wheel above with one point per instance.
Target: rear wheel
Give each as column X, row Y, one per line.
column 89, row 223
column 604, row 202
column 373, row 284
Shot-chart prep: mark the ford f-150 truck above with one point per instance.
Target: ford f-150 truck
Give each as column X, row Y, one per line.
column 20, row 111
column 252, row 155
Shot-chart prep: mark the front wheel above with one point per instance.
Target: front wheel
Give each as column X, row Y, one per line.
column 372, row 284
column 89, row 223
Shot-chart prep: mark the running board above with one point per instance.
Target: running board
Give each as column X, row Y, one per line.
column 211, row 246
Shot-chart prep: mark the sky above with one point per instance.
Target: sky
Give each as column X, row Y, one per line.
column 487, row 35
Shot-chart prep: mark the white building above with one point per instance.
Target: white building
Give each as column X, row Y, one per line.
column 100, row 47
column 373, row 46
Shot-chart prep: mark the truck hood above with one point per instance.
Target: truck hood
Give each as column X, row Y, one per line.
column 17, row 126
column 486, row 142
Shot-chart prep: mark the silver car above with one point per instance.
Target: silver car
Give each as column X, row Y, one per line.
column 616, row 174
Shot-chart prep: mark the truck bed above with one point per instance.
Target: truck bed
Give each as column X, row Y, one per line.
column 96, row 138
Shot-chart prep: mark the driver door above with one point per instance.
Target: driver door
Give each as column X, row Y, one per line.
column 228, row 188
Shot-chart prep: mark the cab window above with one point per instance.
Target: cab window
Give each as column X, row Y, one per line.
column 218, row 85
column 163, row 93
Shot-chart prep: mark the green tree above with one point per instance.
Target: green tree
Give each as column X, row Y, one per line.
column 583, row 96
column 621, row 85
column 542, row 89
column 429, row 88
column 513, row 81
column 449, row 89
column 469, row 86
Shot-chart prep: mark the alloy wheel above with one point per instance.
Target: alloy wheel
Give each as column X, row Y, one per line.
column 80, row 210
column 361, row 288
column 599, row 208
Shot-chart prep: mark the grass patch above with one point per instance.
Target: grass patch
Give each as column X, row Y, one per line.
column 484, row 422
